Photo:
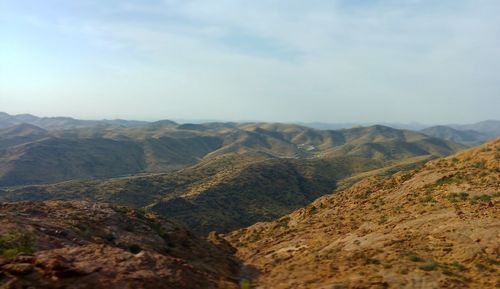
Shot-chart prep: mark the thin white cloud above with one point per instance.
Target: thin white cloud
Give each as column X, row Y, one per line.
column 316, row 60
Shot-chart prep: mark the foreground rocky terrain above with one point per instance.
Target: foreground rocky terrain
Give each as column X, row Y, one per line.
column 435, row 227
column 78, row 244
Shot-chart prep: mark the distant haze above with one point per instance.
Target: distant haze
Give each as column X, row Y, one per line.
column 322, row 60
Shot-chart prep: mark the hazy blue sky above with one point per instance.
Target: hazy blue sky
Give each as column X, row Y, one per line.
column 432, row 61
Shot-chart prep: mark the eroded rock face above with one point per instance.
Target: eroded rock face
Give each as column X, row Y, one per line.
column 80, row 244
column 435, row 227
column 103, row 266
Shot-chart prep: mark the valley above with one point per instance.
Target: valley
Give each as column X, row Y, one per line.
column 207, row 177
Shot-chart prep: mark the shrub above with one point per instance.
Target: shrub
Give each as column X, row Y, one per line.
column 480, row 164
column 134, row 249
column 109, row 237
column 485, row 198
column 414, row 258
column 245, row 284
column 482, row 198
column 382, row 220
column 283, row 222
column 454, row 197
column 256, row 236
column 458, row 266
column 429, row 266
column 481, row 267
column 427, row 199
column 371, row 261
column 463, row 196
column 13, row 243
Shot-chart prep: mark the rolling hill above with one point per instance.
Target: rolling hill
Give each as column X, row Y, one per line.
column 61, row 123
column 465, row 137
column 491, row 128
column 20, row 134
column 32, row 155
column 212, row 176
column 226, row 177
column 222, row 194
column 54, row 159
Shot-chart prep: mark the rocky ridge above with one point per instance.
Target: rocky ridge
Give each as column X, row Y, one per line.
column 435, row 227
column 79, row 244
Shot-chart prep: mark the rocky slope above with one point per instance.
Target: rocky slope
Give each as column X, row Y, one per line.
column 435, row 227
column 78, row 244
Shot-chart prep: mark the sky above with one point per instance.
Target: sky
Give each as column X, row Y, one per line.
column 277, row 60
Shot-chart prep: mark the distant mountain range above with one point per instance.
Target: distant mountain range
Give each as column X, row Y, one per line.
column 325, row 126
column 466, row 137
column 60, row 123
column 469, row 135
column 31, row 155
column 491, row 128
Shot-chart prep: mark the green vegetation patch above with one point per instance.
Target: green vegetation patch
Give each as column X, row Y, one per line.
column 368, row 260
column 256, row 236
column 430, row 266
column 13, row 243
column 458, row 266
column 480, row 164
column 283, row 222
column 414, row 258
column 481, row 199
column 427, row 199
column 382, row 220
column 456, row 197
